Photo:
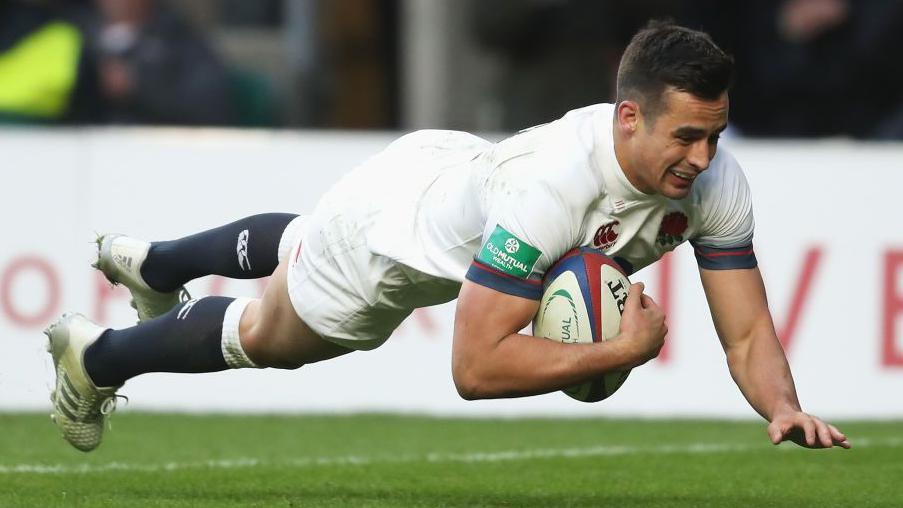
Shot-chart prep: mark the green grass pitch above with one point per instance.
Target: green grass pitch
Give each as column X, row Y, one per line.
column 384, row 460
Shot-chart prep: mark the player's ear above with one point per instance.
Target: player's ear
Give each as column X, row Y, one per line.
column 628, row 116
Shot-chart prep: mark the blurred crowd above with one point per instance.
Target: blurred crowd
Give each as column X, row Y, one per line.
column 108, row 61
column 805, row 68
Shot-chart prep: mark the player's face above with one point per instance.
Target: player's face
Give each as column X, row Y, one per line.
column 679, row 143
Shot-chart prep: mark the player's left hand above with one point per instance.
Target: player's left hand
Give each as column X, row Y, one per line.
column 805, row 430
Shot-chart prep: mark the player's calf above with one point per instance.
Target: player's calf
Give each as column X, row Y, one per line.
column 245, row 249
column 155, row 272
column 197, row 336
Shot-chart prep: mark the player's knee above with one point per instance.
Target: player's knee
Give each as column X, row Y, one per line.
column 261, row 342
column 263, row 348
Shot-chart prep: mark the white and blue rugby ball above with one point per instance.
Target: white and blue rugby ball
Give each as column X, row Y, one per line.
column 582, row 301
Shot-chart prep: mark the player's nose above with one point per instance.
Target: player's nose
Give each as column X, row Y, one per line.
column 699, row 156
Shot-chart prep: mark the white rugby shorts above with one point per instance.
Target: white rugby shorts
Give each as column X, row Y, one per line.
column 344, row 292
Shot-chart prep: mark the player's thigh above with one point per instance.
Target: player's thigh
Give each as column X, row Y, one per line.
column 273, row 335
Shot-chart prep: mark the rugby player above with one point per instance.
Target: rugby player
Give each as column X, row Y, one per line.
column 476, row 221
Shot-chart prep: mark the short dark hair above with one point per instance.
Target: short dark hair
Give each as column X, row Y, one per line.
column 664, row 54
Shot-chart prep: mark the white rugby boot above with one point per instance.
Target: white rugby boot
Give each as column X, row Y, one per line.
column 119, row 258
column 80, row 408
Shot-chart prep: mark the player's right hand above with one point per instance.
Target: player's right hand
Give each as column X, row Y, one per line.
column 643, row 326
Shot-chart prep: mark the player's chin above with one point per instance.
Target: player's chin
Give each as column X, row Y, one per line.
column 671, row 191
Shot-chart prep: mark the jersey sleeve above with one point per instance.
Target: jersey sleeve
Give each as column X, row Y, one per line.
column 724, row 240
column 523, row 236
column 534, row 216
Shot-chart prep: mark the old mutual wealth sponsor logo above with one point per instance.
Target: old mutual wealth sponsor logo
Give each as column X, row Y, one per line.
column 509, row 254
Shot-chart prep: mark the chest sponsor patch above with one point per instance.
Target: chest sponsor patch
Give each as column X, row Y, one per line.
column 509, row 254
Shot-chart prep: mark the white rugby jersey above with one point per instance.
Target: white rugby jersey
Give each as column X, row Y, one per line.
column 501, row 214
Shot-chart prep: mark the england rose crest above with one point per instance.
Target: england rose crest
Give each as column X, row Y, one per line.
column 673, row 227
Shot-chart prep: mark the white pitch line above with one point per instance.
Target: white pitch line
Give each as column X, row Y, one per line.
column 473, row 457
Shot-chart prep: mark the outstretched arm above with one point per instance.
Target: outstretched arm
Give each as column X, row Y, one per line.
column 756, row 359
column 490, row 359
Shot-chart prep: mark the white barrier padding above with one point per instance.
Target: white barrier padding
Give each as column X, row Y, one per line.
column 828, row 239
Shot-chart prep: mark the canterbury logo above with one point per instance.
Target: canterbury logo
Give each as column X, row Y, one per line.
column 242, row 249
column 183, row 312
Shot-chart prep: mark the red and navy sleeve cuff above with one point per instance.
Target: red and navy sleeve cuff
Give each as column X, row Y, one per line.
column 734, row 258
column 502, row 282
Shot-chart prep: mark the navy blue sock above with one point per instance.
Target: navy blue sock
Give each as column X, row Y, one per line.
column 245, row 249
column 186, row 339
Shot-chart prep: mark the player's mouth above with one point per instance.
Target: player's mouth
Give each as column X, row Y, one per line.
column 687, row 176
column 679, row 181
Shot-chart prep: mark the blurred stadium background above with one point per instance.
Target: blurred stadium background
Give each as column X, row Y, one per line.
column 159, row 118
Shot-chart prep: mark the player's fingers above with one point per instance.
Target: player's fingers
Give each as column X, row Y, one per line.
column 647, row 301
column 839, row 438
column 809, row 432
column 836, row 434
column 824, row 435
column 635, row 295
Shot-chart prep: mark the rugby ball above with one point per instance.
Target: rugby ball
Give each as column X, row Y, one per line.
column 583, row 296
